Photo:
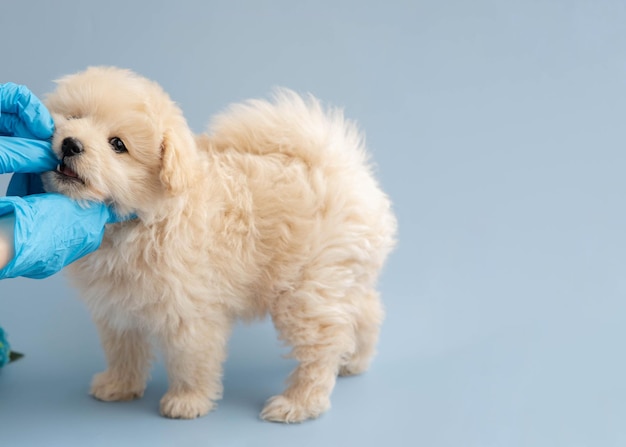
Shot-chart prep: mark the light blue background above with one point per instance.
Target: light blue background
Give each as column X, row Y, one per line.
column 498, row 131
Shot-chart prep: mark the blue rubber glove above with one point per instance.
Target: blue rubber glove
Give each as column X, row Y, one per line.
column 52, row 231
column 25, row 130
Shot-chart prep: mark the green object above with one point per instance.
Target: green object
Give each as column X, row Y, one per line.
column 6, row 355
column 5, row 349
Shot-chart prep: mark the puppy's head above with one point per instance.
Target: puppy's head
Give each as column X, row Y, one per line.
column 120, row 140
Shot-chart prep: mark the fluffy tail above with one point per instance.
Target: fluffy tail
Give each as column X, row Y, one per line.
column 292, row 125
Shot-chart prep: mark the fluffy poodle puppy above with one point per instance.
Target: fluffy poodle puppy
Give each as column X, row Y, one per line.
column 273, row 211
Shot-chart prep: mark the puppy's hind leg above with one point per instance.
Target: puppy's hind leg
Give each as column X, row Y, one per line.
column 367, row 329
column 128, row 356
column 321, row 337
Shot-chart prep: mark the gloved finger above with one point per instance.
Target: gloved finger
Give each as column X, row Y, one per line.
column 114, row 217
column 22, row 114
column 25, row 185
column 26, row 155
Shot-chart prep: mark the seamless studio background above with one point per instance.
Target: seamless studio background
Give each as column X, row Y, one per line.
column 497, row 128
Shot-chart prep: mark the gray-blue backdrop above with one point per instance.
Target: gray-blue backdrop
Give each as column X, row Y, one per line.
column 498, row 131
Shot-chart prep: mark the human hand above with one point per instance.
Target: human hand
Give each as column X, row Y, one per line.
column 52, row 231
column 25, row 130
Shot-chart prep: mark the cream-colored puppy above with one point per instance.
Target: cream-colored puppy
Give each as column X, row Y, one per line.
column 275, row 210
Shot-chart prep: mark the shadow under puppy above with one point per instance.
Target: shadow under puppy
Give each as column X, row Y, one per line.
column 275, row 210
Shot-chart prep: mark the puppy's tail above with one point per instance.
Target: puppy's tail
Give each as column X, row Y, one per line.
column 292, row 125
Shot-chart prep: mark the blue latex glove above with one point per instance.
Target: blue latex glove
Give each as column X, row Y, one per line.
column 51, row 230
column 25, row 130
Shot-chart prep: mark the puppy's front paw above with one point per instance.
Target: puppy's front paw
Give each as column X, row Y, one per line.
column 108, row 387
column 284, row 409
column 185, row 405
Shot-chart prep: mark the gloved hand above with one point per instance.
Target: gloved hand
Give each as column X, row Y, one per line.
column 51, row 230
column 25, row 130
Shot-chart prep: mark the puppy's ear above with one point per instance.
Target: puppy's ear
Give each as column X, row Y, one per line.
column 178, row 160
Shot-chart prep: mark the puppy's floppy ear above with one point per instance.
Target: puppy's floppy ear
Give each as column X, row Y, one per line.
column 178, row 160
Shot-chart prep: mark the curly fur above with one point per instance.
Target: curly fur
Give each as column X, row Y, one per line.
column 274, row 210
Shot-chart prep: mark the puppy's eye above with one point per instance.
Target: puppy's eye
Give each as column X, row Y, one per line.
column 73, row 117
column 118, row 145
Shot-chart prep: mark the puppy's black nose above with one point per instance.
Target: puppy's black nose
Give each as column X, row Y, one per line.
column 71, row 146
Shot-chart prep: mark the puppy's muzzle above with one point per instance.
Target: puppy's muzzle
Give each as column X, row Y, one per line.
column 71, row 146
